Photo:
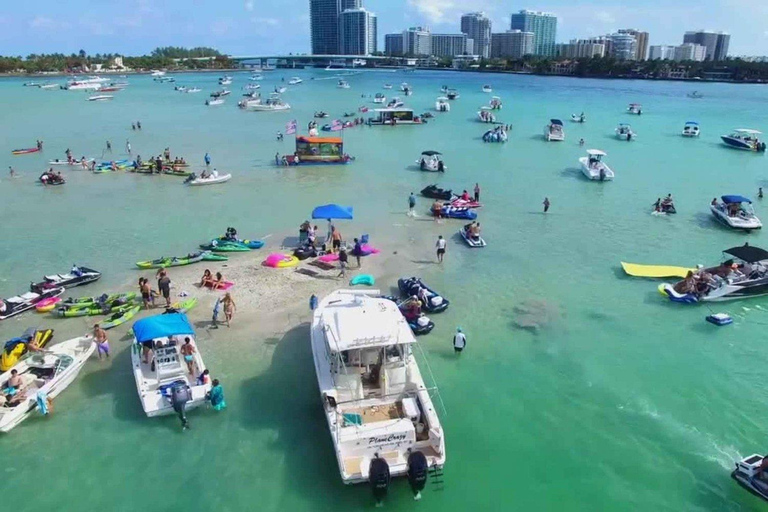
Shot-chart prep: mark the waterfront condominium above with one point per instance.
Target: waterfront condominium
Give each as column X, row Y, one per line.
column 451, row 45
column 357, row 32
column 478, row 28
column 512, row 44
column 641, row 42
column 324, row 26
column 544, row 28
column 716, row 43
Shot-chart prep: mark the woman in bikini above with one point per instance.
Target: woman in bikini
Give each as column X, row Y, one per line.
column 188, row 350
column 229, row 307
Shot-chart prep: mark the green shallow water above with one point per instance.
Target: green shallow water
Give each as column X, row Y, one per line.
column 621, row 401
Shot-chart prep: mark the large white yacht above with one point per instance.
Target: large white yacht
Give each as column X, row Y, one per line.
column 159, row 365
column 380, row 414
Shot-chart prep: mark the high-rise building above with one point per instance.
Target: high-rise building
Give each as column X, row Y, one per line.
column 624, row 46
column 641, row 40
column 451, row 45
column 690, row 51
column 350, row 4
column 324, row 26
column 716, row 43
column 661, row 52
column 544, row 28
column 581, row 48
column 357, row 32
column 393, row 45
column 512, row 44
column 478, row 28
column 417, row 42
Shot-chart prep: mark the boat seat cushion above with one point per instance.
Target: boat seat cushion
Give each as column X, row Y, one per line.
column 27, row 296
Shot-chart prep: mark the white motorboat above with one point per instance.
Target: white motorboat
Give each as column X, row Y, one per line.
column 249, row 103
column 379, row 411
column 486, row 115
column 431, row 161
column 252, row 87
column 593, row 166
column 100, row 97
column 405, row 86
column 215, row 101
column 579, row 118
column 280, row 90
column 624, row 132
column 84, row 85
column 495, row 103
column 395, row 102
column 387, row 86
column 452, row 94
column 443, row 89
column 256, row 78
column 193, row 90
column 442, row 105
column 156, row 72
column 744, row 138
column 213, row 179
column 635, row 109
column 271, row 104
column 736, row 212
column 226, row 80
column 43, row 375
column 379, row 98
column 487, row 88
column 295, row 81
column 180, row 88
column 49, row 86
column 342, row 84
column 554, row 131
column 691, row 129
column 160, row 368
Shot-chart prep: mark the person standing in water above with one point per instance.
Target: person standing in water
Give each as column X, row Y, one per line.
column 109, row 146
column 459, row 341
column 12, row 172
column 102, row 343
column 128, row 146
column 411, row 205
column 477, row 192
column 138, row 125
column 546, row 204
column 440, row 248
column 759, row 191
column 207, row 159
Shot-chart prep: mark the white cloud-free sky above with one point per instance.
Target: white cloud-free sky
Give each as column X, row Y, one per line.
column 253, row 27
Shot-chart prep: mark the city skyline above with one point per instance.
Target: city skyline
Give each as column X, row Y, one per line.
column 135, row 27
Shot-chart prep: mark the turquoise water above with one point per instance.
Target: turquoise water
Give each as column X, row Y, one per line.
column 620, row 401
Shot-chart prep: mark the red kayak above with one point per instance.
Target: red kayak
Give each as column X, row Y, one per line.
column 25, row 151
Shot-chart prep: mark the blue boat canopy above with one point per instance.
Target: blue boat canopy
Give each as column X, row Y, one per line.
column 161, row 326
column 692, row 122
column 735, row 199
column 556, row 121
column 332, row 211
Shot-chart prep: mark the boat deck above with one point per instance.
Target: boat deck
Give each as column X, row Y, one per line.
column 377, row 413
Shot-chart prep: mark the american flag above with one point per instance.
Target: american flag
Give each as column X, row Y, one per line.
column 336, row 125
column 290, row 127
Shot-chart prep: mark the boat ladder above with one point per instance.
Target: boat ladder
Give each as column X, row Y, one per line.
column 438, row 483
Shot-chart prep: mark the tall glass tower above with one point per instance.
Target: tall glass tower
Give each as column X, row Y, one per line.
column 544, row 28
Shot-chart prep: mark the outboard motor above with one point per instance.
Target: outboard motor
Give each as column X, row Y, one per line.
column 440, row 166
column 180, row 395
column 379, row 478
column 602, row 174
column 417, row 473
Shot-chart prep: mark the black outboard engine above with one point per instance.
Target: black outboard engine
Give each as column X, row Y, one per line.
column 417, row 473
column 379, row 478
column 180, row 395
column 440, row 166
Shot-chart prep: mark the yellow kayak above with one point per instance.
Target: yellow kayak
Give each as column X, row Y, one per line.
column 655, row 271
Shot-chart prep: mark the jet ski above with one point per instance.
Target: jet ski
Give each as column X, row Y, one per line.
column 78, row 276
column 419, row 323
column 321, row 115
column 16, row 348
column 432, row 302
column 15, row 305
column 434, row 192
column 453, row 212
column 471, row 241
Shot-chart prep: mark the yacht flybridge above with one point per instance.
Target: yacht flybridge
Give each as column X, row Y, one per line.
column 382, row 419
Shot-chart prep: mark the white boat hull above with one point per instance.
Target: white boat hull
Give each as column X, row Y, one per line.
column 210, row 181
column 593, row 173
column 740, row 221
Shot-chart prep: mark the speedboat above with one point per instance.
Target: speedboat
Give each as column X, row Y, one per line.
column 554, row 130
column 431, row 161
column 18, row 304
column 742, row 274
column 321, row 115
column 252, row 87
column 444, row 89
column 100, row 97
column 214, row 102
column 193, row 90
column 213, row 179
column 256, row 78
column 593, row 166
column 750, row 474
column 495, row 103
column 295, row 81
column 442, row 105
column 487, row 88
column 249, row 103
column 379, row 98
column 342, row 84
column 578, row 118
column 43, row 376
column 744, row 138
column 452, row 94
column 226, row 80
column 405, row 87
column 162, row 375
column 49, row 86
column 485, row 115
column 156, row 72
column 280, row 90
column 379, row 411
column 472, row 241
column 624, row 132
column 635, row 108
column 495, row 135
column 78, row 276
column 82, row 85
column 395, row 103
column 272, row 104
column 736, row 212
column 387, row 86
column 691, row 129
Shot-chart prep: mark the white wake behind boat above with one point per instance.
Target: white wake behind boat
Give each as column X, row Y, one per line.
column 214, row 102
column 380, row 414
column 593, row 166
column 44, row 375
column 100, row 97
column 166, row 369
column 214, row 178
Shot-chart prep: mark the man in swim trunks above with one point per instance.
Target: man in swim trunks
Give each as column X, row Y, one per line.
column 336, row 239
column 102, row 343
column 187, row 350
column 164, row 285
column 146, row 293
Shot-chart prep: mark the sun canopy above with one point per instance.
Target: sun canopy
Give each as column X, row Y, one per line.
column 431, row 153
column 735, row 199
column 320, row 140
column 748, row 253
column 332, row 211
column 692, row 122
column 161, row 326
column 596, row 152
column 556, row 121
column 635, row 105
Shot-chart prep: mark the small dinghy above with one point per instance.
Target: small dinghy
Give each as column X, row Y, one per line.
column 214, row 178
